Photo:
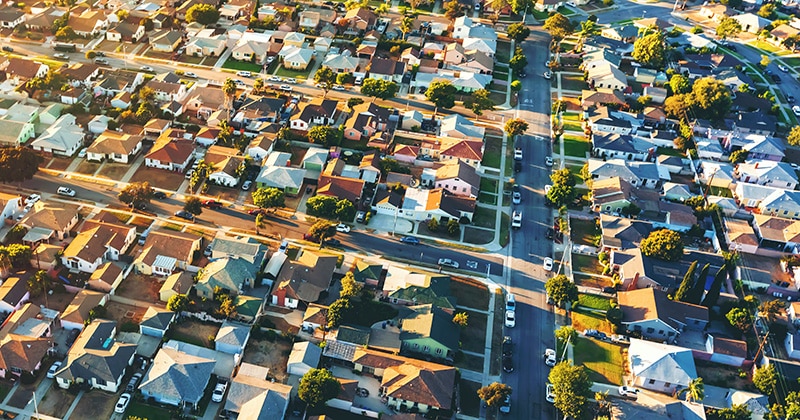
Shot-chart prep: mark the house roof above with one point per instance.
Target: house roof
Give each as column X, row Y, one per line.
column 308, row 276
column 96, row 354
column 649, row 304
column 78, row 310
column 460, row 170
column 247, row 306
column 455, row 125
column 227, row 273
column 94, row 241
column 177, row 375
column 113, row 142
column 21, row 352
column 158, row 319
column 256, row 398
column 63, row 135
column 305, row 353
column 180, row 282
column 729, row 347
column 166, row 37
column 341, row 187
column 178, row 245
column 281, row 176
column 623, row 233
column 661, row 362
column 53, row 217
column 233, row 334
column 318, row 108
column 246, row 248
column 386, row 66
column 80, row 71
column 25, row 69
column 316, row 314
column 777, row 229
column 429, row 321
column 461, row 148
column 175, row 151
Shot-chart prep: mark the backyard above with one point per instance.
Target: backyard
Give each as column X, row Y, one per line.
column 56, row 402
column 96, row 405
column 194, row 332
column 160, row 178
column 603, row 361
column 272, row 354
column 140, row 287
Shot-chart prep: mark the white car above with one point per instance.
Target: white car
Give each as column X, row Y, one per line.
column 82, row 153
column 243, row 73
column 61, row 55
column 548, row 161
column 33, row 198
column 517, row 198
column 516, row 220
column 783, row 68
column 796, row 110
column 146, row 68
column 341, row 227
column 270, row 59
column 66, row 191
column 51, row 373
column 122, row 403
column 627, row 391
column 190, row 75
column 505, row 407
column 548, row 264
column 447, row 262
column 518, row 154
column 550, row 357
column 547, row 188
column 286, row 88
column 338, row 87
column 550, row 394
column 511, row 319
column 290, row 80
column 547, row 75
column 274, row 79
column 246, row 185
column 219, row 391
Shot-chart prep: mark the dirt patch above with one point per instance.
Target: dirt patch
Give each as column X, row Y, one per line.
column 59, row 164
column 124, row 313
column 56, row 301
column 281, row 324
column 140, row 287
column 271, row 354
column 56, row 402
column 95, row 405
column 194, row 332
column 113, row 171
column 159, row 178
column 107, row 46
column 470, row 293
column 22, row 395
column 223, row 193
column 87, row 168
column 141, row 223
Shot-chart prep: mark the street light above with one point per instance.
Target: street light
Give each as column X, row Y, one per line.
column 35, row 406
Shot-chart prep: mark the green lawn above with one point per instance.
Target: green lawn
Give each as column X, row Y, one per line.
column 566, row 11
column 470, row 402
column 669, row 151
column 491, row 153
column 487, row 198
column 583, row 231
column 574, row 146
column 540, row 15
column 766, row 46
column 505, row 224
column 503, row 51
column 484, row 217
column 241, row 65
column 593, row 301
column 571, row 116
column 298, row 74
column 575, row 83
column 148, row 412
column 791, row 61
column 603, row 361
column 584, row 320
column 570, row 126
column 586, row 264
column 489, row 185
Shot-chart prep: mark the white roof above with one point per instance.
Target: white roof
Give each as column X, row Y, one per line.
column 62, row 135
column 662, row 362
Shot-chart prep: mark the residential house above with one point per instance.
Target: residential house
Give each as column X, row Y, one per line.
column 125, row 32
column 207, row 136
column 751, row 22
column 314, row 317
column 13, row 294
column 622, row 233
column 166, row 41
column 245, row 248
column 26, row 338
column 303, row 279
column 638, row 174
column 174, row 155
column 652, row 314
column 96, row 359
column 726, row 351
column 771, row 173
column 113, row 82
column 601, row 97
column 204, row 100
column 251, row 51
column 51, row 222
column 206, row 44
column 304, row 357
column 367, row 273
column 167, row 91
column 317, row 112
column 156, row 322
column 440, row 204
column 624, row 33
column 660, row 367
column 359, row 20
column 165, row 251
column 252, row 395
column 782, row 203
column 606, row 76
column 81, row 74
column 551, row 5
column 76, row 315
column 366, row 120
column 403, row 286
column 757, row 122
column 603, row 120
column 296, row 58
column 122, row 101
column 114, row 146
column 88, row 23
column 63, row 138
column 386, row 69
column 230, row 275
column 676, row 192
column 457, row 177
column 781, row 33
column 19, row 70
column 98, row 242
column 10, row 17
column 341, row 63
column 232, row 338
column 106, row 277
column 226, row 165
column 278, row 173
column 341, row 188
column 177, row 378
column 725, row 398
column 178, row 283
column 637, row 271
column 260, row 147
column 621, row 146
column 777, row 233
column 458, row 127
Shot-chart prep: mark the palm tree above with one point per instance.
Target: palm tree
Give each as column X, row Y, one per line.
column 602, row 403
column 39, row 284
column 695, row 392
column 588, row 28
column 406, row 25
column 229, row 89
column 259, row 222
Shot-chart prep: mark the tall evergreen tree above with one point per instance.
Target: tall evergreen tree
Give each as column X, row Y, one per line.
column 713, row 292
column 696, row 293
column 686, row 285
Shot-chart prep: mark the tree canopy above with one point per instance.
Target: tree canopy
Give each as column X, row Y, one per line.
column 269, row 197
column 663, row 244
column 558, row 26
column 318, row 386
column 728, row 27
column 741, row 318
column 651, row 50
column 561, row 289
column 735, row 412
column 794, row 136
column 680, row 84
column 18, row 164
column 136, row 193
column 766, row 378
column 377, row 88
column 322, row 229
column 325, row 77
column 479, row 101
column 494, row 393
column 442, row 93
column 177, row 302
column 517, row 31
column 204, row 14
column 515, row 127
column 324, row 135
column 572, row 389
column 193, row 205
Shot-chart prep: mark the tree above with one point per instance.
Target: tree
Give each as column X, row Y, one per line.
column 453, row 227
column 614, row 315
column 518, row 61
column 588, row 29
column 516, row 86
column 136, row 194
column 321, row 230
column 66, row 33
column 767, row 11
column 39, row 283
column 711, row 99
column 259, row 222
column 561, row 290
column 772, row 309
column 764, row 61
column 338, row 311
column 651, row 50
column 353, row 102
column 695, row 392
column 204, row 14
column 680, row 84
column 572, row 388
column 442, row 93
column 566, row 333
column 193, row 205
column 377, row 88
column 18, row 164
column 686, row 284
column 560, row 194
column 494, row 394
column 350, row 287
column 663, row 244
column 766, row 378
column 696, row 292
column 321, row 206
column 735, row 412
column 177, row 303
column 324, row 135
column 479, row 101
column 228, row 87
column 452, row 10
column 676, row 105
column 794, row 136
column 716, row 287
column 406, row 25
column 740, row 318
column 728, row 27
column 318, row 386
column 517, row 31
column 267, row 198
column 739, row 156
column 461, row 319
column 558, row 26
column 326, row 78
column 515, row 127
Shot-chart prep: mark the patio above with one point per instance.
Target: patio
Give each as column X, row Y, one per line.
column 373, row 401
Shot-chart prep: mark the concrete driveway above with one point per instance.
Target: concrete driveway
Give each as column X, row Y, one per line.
column 386, row 223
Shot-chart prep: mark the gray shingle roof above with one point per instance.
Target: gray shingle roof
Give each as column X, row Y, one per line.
column 177, row 375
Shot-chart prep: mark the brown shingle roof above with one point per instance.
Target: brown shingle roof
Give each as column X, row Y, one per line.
column 113, row 142
column 341, row 187
column 176, row 151
column 178, row 245
column 649, row 303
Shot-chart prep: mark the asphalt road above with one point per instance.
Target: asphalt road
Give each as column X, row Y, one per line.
column 534, row 324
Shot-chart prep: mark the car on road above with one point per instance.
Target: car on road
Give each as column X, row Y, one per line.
column 219, row 391
column 508, row 346
column 776, row 79
column 212, row 204
column 69, row 192
column 508, row 364
column 82, row 153
column 627, row 391
column 341, row 227
column 409, row 240
column 472, row 265
column 61, row 55
column 274, row 79
column 238, row 82
column 122, row 403
column 146, row 68
column 511, row 319
column 243, row 73
column 338, row 87
column 516, row 219
column 6, row 48
column 101, row 61
column 333, row 242
column 550, row 357
column 511, row 302
column 548, row 264
column 33, row 198
column 447, row 262
column 783, row 68
column 548, row 161
column 550, row 394
column 286, row 88
column 183, row 214
column 505, row 407
column 289, row 80
column 547, row 188
column 517, row 198
column 160, row 195
column 517, row 166
column 518, row 154
column 51, row 373
column 246, row 185
column 796, row 110
column 548, row 75
column 790, row 99
column 190, row 75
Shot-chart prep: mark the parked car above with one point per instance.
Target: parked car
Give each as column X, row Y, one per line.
column 776, row 79
column 511, row 302
column 134, row 382
column 518, row 154
column 447, row 262
column 516, row 219
column 796, row 110
column 286, row 88
column 409, row 240
column 219, row 391
column 517, row 198
column 66, row 191
column 619, row 338
column 338, row 87
column 33, row 198
column 146, row 68
column 61, row 56
column 274, row 79
column 122, row 403
column 505, row 407
column 550, row 357
column 547, row 75
column 511, row 319
column 212, row 204
column 82, row 153
column 246, row 185
column 6, row 48
column 289, row 80
column 73, row 335
column 548, row 264
column 341, row 227
column 51, row 373
column 101, row 61
column 790, row 99
column 243, row 73
column 627, row 391
column 596, row 334
column 333, row 242
column 508, row 364
column 183, row 214
column 160, row 195
column 783, row 68
column 550, row 394
column 508, row 346
column 517, row 166
column 190, row 75
column 548, row 161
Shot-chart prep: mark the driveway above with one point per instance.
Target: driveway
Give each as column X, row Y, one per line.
column 386, row 223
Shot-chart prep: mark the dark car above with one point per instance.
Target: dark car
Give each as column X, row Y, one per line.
column 138, row 206
column 508, row 346
column 776, row 78
column 212, row 204
column 508, row 364
column 160, row 195
column 7, row 48
column 517, row 166
column 183, row 214
column 333, row 242
column 609, row 290
column 256, row 212
column 550, row 233
column 409, row 240
column 73, row 335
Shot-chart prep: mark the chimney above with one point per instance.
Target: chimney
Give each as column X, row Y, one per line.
column 756, row 165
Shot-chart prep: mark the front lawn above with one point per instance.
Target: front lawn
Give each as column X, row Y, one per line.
column 473, row 337
column 766, row 46
column 477, row 236
column 503, row 52
column 491, row 153
column 241, row 65
column 583, row 319
column 484, row 217
column 593, row 301
column 470, row 402
column 505, row 224
column 586, row 264
column 669, row 151
column 149, row 412
column 583, row 231
column 575, row 146
column 470, row 293
column 298, row 74
column 603, row 361
column 573, row 82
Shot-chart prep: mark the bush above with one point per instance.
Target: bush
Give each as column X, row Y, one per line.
column 129, row 326
column 271, row 336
